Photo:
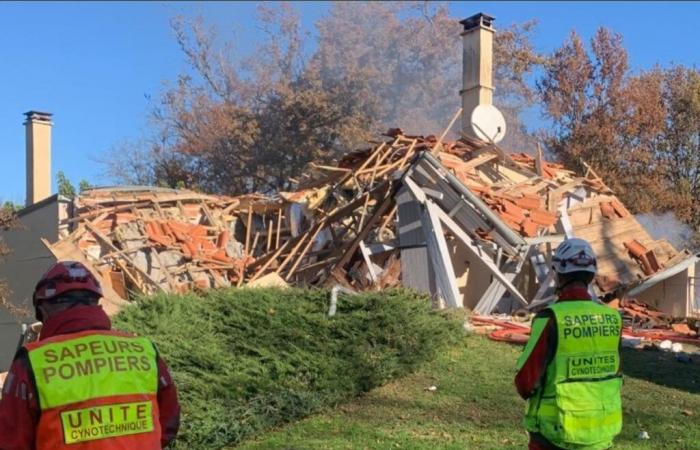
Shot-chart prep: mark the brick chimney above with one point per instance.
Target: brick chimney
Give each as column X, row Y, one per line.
column 477, row 69
column 38, row 138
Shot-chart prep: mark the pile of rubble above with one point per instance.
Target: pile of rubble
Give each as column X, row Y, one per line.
column 462, row 220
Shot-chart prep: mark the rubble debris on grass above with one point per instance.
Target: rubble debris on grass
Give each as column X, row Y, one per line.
column 644, row 327
column 463, row 220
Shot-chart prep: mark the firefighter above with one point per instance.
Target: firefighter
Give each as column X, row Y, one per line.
column 83, row 385
column 569, row 371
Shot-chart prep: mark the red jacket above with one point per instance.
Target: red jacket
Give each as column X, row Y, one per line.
column 19, row 410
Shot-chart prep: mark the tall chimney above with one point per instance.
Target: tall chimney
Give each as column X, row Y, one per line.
column 477, row 60
column 38, row 129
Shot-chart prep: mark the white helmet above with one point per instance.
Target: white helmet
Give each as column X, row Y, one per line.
column 574, row 255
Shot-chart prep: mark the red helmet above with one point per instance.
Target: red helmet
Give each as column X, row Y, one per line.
column 63, row 277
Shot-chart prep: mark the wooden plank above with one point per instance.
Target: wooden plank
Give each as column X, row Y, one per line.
column 330, row 168
column 438, row 145
column 270, row 260
column 210, row 217
column 159, row 210
column 440, row 257
column 269, row 236
column 379, row 211
column 103, row 210
column 370, row 265
column 292, row 253
column 478, row 161
column 565, row 223
column 248, row 229
column 279, row 225
column 407, row 155
column 310, row 242
column 388, row 218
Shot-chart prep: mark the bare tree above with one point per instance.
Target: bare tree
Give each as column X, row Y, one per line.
column 679, row 148
column 603, row 116
column 234, row 125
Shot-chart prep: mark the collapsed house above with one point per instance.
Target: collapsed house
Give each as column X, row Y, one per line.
column 471, row 225
column 463, row 220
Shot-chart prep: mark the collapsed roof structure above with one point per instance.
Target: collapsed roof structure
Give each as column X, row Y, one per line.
column 461, row 220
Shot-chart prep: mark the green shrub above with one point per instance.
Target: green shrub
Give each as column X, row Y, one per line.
column 248, row 359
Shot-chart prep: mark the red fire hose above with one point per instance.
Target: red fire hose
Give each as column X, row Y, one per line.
column 509, row 332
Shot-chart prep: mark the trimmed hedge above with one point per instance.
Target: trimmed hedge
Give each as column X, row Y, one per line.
column 246, row 360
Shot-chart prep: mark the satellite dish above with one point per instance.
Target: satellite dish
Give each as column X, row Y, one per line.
column 488, row 123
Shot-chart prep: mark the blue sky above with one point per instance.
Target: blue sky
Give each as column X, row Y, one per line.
column 100, row 66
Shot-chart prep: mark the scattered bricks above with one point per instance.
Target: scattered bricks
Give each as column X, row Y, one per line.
column 176, row 231
column 548, row 172
column 683, row 328
column 529, row 228
column 646, row 257
column 192, row 249
column 156, row 235
column 529, row 203
column 512, row 221
column 513, row 210
column 167, row 231
column 620, row 209
column 478, row 188
column 220, row 255
column 607, row 210
column 653, row 263
column 543, row 218
column 197, row 230
column 201, row 283
column 635, row 248
column 205, row 245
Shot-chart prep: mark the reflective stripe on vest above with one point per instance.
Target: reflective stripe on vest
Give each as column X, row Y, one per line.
column 579, row 405
column 96, row 389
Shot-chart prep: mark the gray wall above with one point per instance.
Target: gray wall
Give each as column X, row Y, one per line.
column 22, row 268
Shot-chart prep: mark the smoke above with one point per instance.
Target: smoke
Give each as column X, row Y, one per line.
column 667, row 226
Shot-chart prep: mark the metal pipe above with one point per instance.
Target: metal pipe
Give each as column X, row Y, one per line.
column 504, row 230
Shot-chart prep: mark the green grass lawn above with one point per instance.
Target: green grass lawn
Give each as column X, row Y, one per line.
column 476, row 407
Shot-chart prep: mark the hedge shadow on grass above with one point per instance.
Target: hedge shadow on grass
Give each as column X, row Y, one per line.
column 245, row 360
column 662, row 368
